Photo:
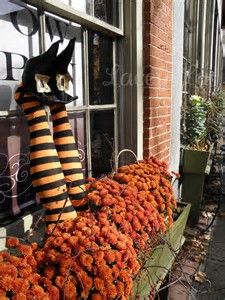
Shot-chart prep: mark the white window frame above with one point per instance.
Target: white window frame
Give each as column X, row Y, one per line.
column 128, row 112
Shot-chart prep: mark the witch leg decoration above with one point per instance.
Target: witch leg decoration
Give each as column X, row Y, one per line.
column 55, row 166
column 69, row 157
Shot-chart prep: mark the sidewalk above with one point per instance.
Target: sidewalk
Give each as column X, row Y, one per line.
column 214, row 264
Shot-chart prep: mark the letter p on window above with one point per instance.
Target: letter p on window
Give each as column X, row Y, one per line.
column 11, row 65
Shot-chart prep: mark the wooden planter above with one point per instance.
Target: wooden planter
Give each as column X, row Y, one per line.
column 195, row 162
column 160, row 261
column 193, row 177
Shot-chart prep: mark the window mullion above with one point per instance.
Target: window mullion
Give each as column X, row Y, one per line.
column 86, row 99
column 115, row 102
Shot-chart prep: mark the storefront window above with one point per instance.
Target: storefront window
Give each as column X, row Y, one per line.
column 92, row 115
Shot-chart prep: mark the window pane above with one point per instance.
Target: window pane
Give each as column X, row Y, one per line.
column 100, row 69
column 19, row 41
column 107, row 10
column 77, row 121
column 61, row 29
column 81, row 5
column 102, row 142
column 16, row 193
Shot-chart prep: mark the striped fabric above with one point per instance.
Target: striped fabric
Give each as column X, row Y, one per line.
column 69, row 156
column 45, row 168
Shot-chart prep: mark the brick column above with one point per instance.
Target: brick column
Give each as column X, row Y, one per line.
column 157, row 77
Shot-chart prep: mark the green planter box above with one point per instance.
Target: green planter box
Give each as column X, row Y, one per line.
column 194, row 169
column 159, row 262
column 194, row 161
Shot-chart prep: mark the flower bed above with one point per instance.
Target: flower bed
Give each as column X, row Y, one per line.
column 99, row 254
column 156, row 264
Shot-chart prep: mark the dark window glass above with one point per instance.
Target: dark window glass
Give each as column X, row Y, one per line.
column 16, row 192
column 102, row 142
column 100, row 69
column 107, row 10
column 78, row 121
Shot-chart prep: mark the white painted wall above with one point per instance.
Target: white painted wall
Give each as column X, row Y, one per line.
column 178, row 33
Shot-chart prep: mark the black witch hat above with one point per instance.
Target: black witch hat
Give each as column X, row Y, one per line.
column 46, row 76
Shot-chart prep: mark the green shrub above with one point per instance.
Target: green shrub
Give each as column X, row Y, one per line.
column 195, row 133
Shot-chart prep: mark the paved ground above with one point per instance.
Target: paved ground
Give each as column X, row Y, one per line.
column 214, row 264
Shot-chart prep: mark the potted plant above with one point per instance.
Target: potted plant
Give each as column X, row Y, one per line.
column 195, row 152
column 196, row 147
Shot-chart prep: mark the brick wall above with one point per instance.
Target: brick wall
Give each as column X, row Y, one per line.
column 157, row 77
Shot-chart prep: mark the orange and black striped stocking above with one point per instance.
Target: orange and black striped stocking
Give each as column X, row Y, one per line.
column 69, row 156
column 45, row 168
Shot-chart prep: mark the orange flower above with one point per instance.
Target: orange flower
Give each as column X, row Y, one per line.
column 25, row 250
column 60, row 280
column 40, row 256
column 8, row 269
column 97, row 296
column 70, row 292
column 99, row 284
column 50, row 272
column 53, row 293
column 24, row 272
column 120, row 288
column 86, row 260
column 34, row 278
column 18, row 296
column 52, row 255
column 58, row 241
column 110, row 256
column 111, row 290
column 12, row 242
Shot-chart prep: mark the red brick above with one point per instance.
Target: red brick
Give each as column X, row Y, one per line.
column 157, row 77
column 156, row 131
column 159, row 120
column 159, row 111
column 164, row 93
column 157, row 102
column 159, row 139
column 163, row 155
column 160, row 148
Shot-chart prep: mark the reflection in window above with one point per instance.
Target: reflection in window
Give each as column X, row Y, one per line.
column 105, row 10
column 102, row 142
column 100, row 69
column 21, row 25
column 78, row 121
column 16, row 193
column 80, row 5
